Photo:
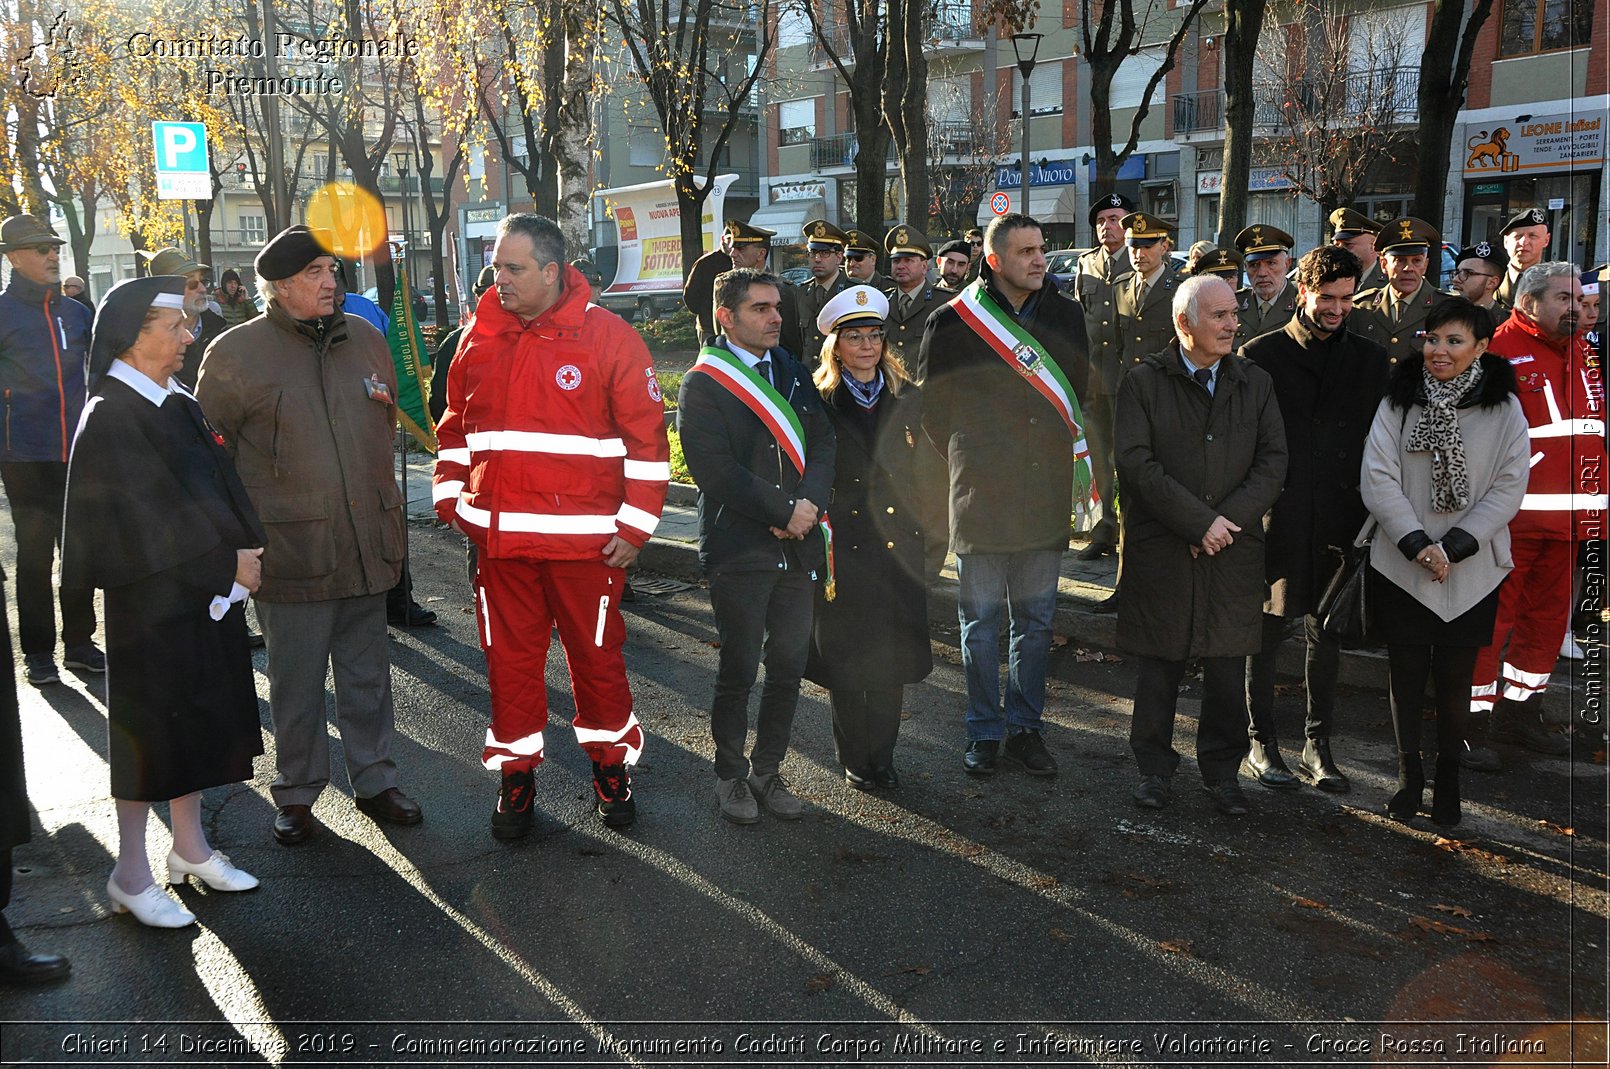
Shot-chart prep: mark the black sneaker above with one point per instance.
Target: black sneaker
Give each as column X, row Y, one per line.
column 41, row 669
column 979, row 759
column 1028, row 750
column 1525, row 729
column 512, row 817
column 86, row 658
column 614, row 786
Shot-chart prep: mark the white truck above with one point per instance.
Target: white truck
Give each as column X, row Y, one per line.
column 648, row 226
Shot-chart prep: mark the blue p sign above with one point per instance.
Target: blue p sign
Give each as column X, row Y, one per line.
column 180, row 147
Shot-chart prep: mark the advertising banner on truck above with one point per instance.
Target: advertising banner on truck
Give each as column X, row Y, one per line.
column 649, row 224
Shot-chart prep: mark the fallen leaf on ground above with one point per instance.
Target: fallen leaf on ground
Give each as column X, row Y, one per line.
column 970, row 849
column 1059, row 640
column 919, row 970
column 817, row 984
column 1551, row 826
column 1177, row 946
column 1599, row 757
column 1059, row 935
column 1043, row 882
column 1457, row 911
column 713, row 644
column 1309, row 903
column 1441, row 928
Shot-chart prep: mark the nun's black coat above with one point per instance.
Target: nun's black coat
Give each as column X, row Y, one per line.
column 155, row 513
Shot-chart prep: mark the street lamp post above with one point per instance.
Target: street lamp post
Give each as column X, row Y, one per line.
column 402, row 160
column 1027, row 47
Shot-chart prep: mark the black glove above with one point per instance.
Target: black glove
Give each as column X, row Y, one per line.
column 1411, row 544
column 1459, row 545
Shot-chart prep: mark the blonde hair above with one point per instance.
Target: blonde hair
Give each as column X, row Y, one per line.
column 830, row 371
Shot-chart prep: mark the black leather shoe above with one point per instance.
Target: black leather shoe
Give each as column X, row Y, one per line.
column 293, row 824
column 19, row 968
column 1228, row 798
column 391, row 806
column 254, row 639
column 1028, row 749
column 885, row 776
column 979, row 760
column 627, row 593
column 1108, row 604
column 512, row 817
column 1521, row 727
column 1097, row 549
column 1316, row 766
column 414, row 615
column 860, row 779
column 1264, row 764
column 1152, row 793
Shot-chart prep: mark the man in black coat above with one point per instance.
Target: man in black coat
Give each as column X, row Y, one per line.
column 1201, row 457
column 1329, row 383
column 202, row 322
column 1011, row 461
column 759, row 542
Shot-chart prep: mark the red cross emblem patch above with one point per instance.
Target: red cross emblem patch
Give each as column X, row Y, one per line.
column 568, row 377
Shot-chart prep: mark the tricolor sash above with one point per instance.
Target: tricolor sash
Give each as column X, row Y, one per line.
column 1025, row 355
column 759, row 396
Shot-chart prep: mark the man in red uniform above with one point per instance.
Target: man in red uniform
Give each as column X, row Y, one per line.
column 1565, row 500
column 553, row 459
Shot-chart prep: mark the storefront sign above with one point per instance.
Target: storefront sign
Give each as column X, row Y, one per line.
column 1547, row 143
column 1053, row 173
column 1259, row 179
column 799, row 191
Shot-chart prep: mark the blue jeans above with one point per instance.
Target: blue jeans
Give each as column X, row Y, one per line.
column 1028, row 582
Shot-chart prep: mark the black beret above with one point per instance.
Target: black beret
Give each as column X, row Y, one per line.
column 291, row 250
column 121, row 316
column 956, row 246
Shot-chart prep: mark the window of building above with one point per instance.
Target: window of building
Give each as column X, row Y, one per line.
column 253, row 230
column 796, row 119
column 1045, row 89
column 646, row 147
column 1130, row 79
column 1545, row 25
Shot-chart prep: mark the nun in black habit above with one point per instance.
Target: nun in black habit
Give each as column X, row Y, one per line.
column 157, row 518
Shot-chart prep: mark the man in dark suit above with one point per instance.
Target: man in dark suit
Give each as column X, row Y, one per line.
column 760, row 495
column 1271, row 299
column 824, row 245
column 742, row 245
column 1393, row 316
column 1355, row 232
column 1328, row 383
column 1095, row 286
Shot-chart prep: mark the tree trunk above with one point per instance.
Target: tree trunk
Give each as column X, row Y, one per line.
column 1444, row 69
column 1244, row 23
column 914, row 116
column 871, row 142
column 572, row 139
column 690, row 200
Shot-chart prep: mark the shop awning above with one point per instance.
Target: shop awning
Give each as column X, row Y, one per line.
column 788, row 218
column 1048, row 204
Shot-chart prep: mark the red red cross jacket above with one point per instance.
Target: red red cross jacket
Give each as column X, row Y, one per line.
column 1562, row 393
column 554, row 436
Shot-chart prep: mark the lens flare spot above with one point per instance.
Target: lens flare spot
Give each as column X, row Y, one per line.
column 353, row 219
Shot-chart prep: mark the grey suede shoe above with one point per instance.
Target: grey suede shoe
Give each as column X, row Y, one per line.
column 774, row 794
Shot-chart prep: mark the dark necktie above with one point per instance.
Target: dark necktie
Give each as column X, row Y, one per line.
column 1204, row 376
column 763, row 369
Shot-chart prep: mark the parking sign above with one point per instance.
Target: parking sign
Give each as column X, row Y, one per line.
column 181, row 161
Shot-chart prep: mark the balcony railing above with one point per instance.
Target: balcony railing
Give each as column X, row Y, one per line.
column 1390, row 93
column 836, row 151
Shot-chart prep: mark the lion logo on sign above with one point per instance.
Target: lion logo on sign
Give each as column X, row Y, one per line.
column 1483, row 148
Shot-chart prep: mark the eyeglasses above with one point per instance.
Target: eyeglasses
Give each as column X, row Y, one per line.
column 1466, row 273
column 43, row 250
column 862, row 337
column 976, row 244
column 856, row 257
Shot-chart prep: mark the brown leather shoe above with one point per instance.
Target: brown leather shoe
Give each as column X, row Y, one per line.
column 391, row 806
column 294, row 824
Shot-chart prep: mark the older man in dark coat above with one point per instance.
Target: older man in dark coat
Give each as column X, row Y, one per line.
column 1201, row 455
column 1329, row 382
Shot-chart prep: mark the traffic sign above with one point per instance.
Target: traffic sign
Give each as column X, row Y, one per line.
column 180, row 150
column 999, row 203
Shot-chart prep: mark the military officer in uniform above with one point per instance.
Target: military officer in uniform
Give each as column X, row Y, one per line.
column 861, row 262
column 824, row 244
column 1355, row 232
column 1144, row 298
column 1391, row 316
column 1095, row 279
column 742, row 245
column 1212, row 260
column 1271, row 299
column 954, row 259
column 1481, row 268
column 912, row 298
column 1526, row 239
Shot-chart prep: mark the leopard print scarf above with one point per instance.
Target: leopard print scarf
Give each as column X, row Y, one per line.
column 1437, row 432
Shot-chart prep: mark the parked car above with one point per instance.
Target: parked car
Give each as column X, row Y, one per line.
column 796, row 275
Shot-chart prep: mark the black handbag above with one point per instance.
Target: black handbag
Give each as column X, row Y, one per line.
column 1344, row 611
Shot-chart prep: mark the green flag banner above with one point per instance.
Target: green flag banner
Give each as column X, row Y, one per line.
column 406, row 344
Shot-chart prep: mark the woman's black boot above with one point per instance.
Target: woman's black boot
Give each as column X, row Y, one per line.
column 1411, row 788
column 1445, row 795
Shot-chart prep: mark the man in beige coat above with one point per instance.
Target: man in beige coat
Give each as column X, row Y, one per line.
column 304, row 398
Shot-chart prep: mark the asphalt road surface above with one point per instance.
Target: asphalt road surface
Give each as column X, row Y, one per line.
column 958, row 921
